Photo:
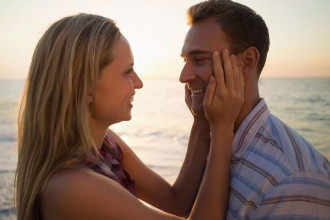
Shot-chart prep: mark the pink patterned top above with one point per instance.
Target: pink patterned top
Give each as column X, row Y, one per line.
column 111, row 165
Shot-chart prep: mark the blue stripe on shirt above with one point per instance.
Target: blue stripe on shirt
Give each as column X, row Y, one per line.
column 269, row 158
column 288, row 181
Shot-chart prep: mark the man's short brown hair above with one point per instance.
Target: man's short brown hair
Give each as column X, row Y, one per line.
column 243, row 26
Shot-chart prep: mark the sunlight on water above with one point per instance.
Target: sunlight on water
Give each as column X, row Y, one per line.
column 159, row 130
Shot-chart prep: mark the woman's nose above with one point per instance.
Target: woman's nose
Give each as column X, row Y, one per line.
column 138, row 84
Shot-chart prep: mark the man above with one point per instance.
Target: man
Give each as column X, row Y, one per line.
column 275, row 172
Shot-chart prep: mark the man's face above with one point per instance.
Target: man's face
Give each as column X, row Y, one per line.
column 201, row 40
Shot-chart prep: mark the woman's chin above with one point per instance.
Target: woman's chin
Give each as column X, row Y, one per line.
column 128, row 118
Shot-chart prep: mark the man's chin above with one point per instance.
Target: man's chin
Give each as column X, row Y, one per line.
column 197, row 104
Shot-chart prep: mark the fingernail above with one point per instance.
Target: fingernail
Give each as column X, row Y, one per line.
column 216, row 53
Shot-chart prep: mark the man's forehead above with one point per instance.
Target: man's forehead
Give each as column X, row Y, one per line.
column 205, row 36
column 205, row 27
column 199, row 47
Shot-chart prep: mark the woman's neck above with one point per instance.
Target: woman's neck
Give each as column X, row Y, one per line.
column 98, row 132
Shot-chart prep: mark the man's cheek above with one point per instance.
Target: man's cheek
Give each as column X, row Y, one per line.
column 205, row 72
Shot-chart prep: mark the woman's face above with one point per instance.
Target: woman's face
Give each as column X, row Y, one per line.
column 116, row 87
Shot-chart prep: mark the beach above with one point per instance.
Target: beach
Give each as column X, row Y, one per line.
column 159, row 129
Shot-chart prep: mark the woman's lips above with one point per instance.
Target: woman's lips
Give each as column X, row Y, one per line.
column 131, row 99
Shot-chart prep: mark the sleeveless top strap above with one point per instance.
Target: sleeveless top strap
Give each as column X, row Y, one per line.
column 111, row 164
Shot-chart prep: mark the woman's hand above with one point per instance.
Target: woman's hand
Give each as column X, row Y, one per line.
column 225, row 92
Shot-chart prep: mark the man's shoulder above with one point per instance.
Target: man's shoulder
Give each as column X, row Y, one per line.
column 278, row 161
column 301, row 195
column 302, row 154
column 298, row 195
column 265, row 180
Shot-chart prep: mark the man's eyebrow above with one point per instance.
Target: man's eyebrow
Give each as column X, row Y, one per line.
column 198, row 51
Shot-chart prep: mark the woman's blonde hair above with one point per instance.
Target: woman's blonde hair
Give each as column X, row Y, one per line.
column 53, row 127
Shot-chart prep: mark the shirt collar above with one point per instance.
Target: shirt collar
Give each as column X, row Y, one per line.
column 249, row 128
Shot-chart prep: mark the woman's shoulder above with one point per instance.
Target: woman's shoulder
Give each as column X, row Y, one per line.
column 83, row 194
column 66, row 182
column 67, row 178
column 73, row 191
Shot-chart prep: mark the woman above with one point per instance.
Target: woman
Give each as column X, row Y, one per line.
column 71, row 166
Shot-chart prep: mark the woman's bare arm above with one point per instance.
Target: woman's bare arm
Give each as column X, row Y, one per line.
column 84, row 194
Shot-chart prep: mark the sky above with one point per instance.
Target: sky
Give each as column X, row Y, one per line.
column 299, row 33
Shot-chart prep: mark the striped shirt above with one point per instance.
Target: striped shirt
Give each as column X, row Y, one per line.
column 275, row 172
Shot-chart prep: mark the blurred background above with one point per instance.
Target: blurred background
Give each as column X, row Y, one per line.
column 295, row 81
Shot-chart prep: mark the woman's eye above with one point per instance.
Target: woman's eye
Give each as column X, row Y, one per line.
column 130, row 71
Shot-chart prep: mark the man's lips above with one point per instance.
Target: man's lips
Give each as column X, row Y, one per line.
column 197, row 91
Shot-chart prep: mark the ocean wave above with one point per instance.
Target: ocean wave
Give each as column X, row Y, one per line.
column 7, row 171
column 8, row 137
column 155, row 134
column 311, row 99
column 316, row 117
column 306, row 129
column 7, row 211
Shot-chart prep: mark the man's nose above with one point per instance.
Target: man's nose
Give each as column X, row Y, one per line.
column 187, row 74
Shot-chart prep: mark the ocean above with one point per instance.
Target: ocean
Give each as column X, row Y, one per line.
column 159, row 129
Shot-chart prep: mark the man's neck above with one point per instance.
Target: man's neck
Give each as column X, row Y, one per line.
column 251, row 99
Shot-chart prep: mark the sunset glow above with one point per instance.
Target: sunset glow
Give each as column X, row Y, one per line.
column 299, row 33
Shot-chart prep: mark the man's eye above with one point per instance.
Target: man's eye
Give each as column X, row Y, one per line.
column 184, row 60
column 199, row 59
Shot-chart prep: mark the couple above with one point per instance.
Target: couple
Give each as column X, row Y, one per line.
column 241, row 163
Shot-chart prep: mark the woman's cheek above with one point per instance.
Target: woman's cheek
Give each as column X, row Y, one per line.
column 132, row 85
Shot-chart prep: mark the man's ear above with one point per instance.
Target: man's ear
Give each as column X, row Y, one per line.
column 250, row 59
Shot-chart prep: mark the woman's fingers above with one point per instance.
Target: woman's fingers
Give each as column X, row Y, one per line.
column 218, row 71
column 210, row 90
column 225, row 91
column 241, row 82
column 235, row 70
column 187, row 90
column 228, row 69
column 187, row 97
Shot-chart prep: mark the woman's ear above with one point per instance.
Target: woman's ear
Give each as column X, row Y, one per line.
column 90, row 98
column 250, row 59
